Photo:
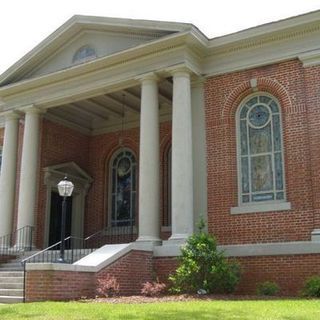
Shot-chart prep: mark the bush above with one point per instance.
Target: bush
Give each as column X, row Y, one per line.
column 203, row 267
column 267, row 288
column 152, row 289
column 108, row 286
column 312, row 287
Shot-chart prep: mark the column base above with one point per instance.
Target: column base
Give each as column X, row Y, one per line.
column 177, row 239
column 149, row 240
column 315, row 235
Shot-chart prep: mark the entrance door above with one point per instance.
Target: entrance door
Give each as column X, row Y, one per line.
column 55, row 218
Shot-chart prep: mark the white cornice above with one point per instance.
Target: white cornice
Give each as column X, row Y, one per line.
column 161, row 45
column 310, row 58
column 269, row 30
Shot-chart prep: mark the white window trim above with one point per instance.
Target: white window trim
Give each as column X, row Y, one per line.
column 261, row 207
column 254, row 207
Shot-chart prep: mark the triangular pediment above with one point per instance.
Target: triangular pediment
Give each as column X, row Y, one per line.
column 83, row 39
column 69, row 169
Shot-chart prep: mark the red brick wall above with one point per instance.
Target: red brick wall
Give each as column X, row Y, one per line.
column 223, row 94
column 164, row 266
column 288, row 271
column 59, row 144
column 312, row 80
column 137, row 267
column 131, row 271
column 58, row 285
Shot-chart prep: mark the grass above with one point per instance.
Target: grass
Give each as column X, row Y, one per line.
column 189, row 310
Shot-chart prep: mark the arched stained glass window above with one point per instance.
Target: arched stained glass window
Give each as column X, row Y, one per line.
column 123, row 189
column 260, row 151
column 84, row 54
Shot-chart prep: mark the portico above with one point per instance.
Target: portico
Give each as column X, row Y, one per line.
column 107, row 96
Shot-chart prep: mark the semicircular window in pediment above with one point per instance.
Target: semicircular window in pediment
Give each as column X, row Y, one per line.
column 84, row 54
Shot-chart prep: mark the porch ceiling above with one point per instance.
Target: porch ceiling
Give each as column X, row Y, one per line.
column 109, row 112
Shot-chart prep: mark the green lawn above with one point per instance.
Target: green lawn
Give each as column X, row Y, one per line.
column 220, row 310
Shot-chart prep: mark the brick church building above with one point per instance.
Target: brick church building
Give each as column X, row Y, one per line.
column 157, row 125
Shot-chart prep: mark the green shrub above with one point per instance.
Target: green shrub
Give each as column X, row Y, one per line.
column 267, row 288
column 312, row 287
column 203, row 267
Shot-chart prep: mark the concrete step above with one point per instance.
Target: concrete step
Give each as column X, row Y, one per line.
column 11, row 292
column 10, row 280
column 11, row 274
column 11, row 269
column 11, row 264
column 11, row 299
column 9, row 285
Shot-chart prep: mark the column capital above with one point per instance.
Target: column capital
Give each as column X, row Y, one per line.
column 12, row 115
column 180, row 71
column 147, row 77
column 32, row 110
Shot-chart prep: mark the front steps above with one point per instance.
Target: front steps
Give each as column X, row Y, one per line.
column 12, row 274
column 11, row 286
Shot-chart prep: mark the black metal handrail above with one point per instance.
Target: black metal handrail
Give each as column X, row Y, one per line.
column 17, row 242
column 76, row 248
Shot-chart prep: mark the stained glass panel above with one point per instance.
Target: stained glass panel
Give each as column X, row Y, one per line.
column 263, row 197
column 260, row 140
column 123, row 195
column 276, row 133
column 274, row 107
column 245, row 198
column 244, row 140
column 133, row 178
column 243, row 113
column 280, row 195
column 260, row 148
column 278, row 171
column 264, row 99
column 261, row 173
column 245, row 175
column 252, row 101
column 259, row 115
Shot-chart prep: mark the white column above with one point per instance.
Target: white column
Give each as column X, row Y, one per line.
column 29, row 169
column 182, row 165
column 8, row 172
column 149, row 179
column 199, row 152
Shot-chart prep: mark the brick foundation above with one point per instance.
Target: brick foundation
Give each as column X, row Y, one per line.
column 137, row 267
column 288, row 271
column 58, row 285
column 131, row 271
